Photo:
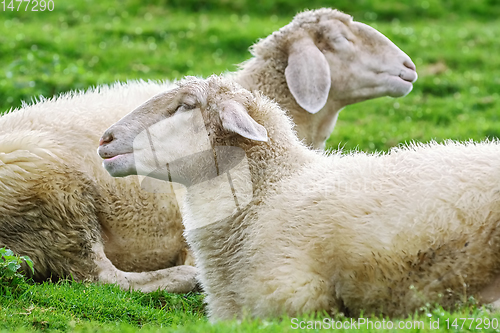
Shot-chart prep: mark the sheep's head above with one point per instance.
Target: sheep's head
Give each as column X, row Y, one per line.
column 183, row 129
column 331, row 56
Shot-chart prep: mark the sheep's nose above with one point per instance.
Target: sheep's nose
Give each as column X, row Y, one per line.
column 409, row 64
column 106, row 138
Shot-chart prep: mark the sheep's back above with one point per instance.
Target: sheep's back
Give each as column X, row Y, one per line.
column 412, row 217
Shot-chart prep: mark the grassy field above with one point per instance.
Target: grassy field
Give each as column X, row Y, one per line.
column 79, row 44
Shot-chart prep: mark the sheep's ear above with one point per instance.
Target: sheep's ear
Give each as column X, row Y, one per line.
column 236, row 119
column 308, row 75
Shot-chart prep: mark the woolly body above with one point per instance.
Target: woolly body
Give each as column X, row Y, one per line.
column 356, row 233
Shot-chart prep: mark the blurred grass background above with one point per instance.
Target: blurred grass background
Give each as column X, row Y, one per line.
column 80, row 43
column 454, row 43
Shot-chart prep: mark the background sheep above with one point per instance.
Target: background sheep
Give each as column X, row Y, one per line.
column 64, row 211
column 357, row 233
column 328, row 61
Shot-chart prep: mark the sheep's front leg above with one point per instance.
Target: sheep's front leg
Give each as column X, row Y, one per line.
column 177, row 279
column 293, row 289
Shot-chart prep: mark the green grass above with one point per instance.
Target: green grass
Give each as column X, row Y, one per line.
column 65, row 305
column 454, row 44
column 84, row 307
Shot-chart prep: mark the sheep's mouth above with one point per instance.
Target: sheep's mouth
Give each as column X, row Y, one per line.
column 399, row 85
column 408, row 75
column 119, row 165
column 107, row 154
column 402, row 81
column 114, row 157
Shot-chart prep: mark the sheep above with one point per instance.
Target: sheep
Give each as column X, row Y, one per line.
column 59, row 207
column 299, row 231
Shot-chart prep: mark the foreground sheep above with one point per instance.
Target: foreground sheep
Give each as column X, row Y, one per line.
column 60, row 207
column 298, row 231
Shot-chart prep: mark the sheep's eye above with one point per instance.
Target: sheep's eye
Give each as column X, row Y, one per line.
column 184, row 107
column 340, row 41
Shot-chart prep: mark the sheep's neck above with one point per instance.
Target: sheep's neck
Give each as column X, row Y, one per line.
column 216, row 223
column 234, row 191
